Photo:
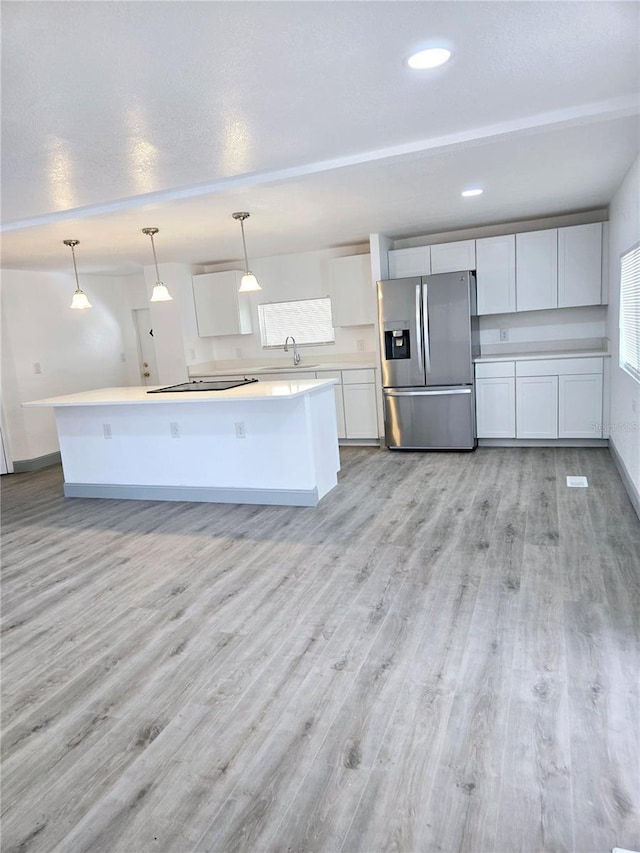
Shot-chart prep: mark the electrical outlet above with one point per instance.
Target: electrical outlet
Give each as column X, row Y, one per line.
column 634, row 406
column 192, row 354
column 238, row 352
column 240, row 430
column 504, row 334
column 37, row 367
column 106, row 429
column 174, row 427
column 360, row 346
column 123, row 357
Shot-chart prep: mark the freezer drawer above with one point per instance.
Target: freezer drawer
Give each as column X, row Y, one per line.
column 430, row 419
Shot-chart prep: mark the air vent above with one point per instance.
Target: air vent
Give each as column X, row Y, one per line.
column 577, row 482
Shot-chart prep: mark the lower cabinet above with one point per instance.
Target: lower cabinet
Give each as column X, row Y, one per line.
column 496, row 407
column 537, row 407
column 360, row 412
column 540, row 399
column 580, row 412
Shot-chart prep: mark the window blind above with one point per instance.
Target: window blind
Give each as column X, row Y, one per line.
column 630, row 312
column 309, row 321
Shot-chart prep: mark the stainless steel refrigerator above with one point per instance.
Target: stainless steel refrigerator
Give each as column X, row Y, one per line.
column 428, row 338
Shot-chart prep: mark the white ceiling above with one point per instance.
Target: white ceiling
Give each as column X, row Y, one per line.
column 121, row 115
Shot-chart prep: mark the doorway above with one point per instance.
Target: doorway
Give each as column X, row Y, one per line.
column 146, row 346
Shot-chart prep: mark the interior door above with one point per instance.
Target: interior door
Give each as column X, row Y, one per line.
column 146, row 347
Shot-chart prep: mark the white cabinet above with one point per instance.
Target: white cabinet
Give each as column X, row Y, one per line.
column 360, row 413
column 537, row 270
column 537, row 407
column 405, row 263
column 496, row 407
column 580, row 406
column 452, row 257
column 580, row 265
column 496, row 274
column 327, row 374
column 220, row 309
column 352, row 294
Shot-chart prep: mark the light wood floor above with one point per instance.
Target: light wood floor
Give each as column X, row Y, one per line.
column 444, row 655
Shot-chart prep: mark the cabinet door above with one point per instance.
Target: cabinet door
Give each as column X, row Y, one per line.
column 220, row 309
column 360, row 414
column 496, row 408
column 537, row 407
column 580, row 406
column 352, row 294
column 328, row 374
column 405, row 263
column 580, row 265
column 537, row 270
column 496, row 274
column 452, row 257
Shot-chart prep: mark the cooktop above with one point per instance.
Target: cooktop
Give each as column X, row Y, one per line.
column 204, row 385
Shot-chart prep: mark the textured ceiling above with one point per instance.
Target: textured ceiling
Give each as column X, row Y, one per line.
column 116, row 116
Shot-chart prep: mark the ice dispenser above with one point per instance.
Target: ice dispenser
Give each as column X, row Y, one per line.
column 396, row 340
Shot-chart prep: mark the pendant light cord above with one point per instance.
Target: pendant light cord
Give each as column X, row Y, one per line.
column 155, row 260
column 244, row 246
column 75, row 268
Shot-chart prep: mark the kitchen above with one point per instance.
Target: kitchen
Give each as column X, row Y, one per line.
column 401, row 664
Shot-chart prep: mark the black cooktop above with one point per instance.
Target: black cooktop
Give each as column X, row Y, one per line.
column 204, row 385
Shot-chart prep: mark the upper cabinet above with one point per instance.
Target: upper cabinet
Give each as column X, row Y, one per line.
column 453, row 257
column 406, row 263
column 496, row 274
column 352, row 295
column 537, row 270
column 579, row 265
column 220, row 309
column 553, row 268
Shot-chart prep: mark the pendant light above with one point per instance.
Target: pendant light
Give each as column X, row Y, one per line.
column 248, row 282
column 160, row 292
column 79, row 300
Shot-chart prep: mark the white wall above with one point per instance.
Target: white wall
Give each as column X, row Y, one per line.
column 76, row 350
column 624, row 232
column 558, row 324
column 283, row 277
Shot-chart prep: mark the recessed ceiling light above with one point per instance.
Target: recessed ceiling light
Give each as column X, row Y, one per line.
column 430, row 58
column 470, row 193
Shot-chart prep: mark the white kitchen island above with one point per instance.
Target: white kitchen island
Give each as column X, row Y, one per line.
column 264, row 443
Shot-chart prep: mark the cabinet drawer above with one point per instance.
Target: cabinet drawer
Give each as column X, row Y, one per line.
column 495, row 369
column 558, row 366
column 357, row 377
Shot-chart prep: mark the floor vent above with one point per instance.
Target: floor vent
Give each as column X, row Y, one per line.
column 577, row 482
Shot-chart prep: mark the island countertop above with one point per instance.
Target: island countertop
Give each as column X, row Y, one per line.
column 271, row 442
column 127, row 396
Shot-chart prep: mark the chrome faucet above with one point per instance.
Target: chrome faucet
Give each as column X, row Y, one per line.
column 296, row 354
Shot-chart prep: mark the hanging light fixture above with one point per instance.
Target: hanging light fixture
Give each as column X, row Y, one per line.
column 248, row 282
column 160, row 292
column 79, row 300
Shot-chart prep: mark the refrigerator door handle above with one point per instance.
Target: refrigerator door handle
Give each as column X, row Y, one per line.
column 418, row 325
column 421, row 393
column 425, row 320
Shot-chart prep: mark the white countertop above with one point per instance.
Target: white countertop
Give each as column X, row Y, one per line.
column 197, row 371
column 536, row 356
column 271, row 390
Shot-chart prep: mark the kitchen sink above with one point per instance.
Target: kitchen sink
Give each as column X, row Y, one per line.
column 288, row 369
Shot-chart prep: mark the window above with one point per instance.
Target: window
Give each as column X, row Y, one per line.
column 309, row 321
column 630, row 312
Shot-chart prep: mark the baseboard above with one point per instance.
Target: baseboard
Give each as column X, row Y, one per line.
column 543, row 442
column 359, row 442
column 632, row 491
column 23, row 466
column 272, row 497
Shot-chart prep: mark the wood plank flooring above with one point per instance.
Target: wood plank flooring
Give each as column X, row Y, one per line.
column 444, row 655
